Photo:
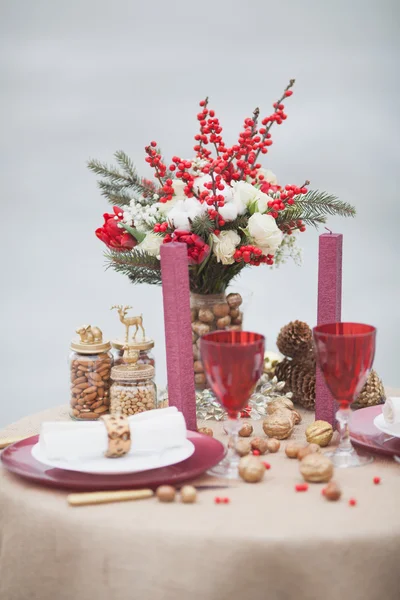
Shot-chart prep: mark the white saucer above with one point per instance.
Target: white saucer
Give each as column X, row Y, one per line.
column 131, row 463
column 385, row 427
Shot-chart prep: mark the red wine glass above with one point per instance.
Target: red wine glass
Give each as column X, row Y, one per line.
column 233, row 363
column 345, row 353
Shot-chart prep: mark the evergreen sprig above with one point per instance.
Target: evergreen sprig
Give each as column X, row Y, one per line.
column 120, row 183
column 203, row 225
column 139, row 266
column 314, row 207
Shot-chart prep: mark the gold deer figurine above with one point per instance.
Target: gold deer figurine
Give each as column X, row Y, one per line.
column 90, row 335
column 129, row 322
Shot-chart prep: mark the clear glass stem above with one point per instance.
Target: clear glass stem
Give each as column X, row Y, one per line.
column 343, row 418
column 232, row 457
column 345, row 456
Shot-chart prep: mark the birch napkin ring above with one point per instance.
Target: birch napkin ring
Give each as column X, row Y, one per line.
column 119, row 435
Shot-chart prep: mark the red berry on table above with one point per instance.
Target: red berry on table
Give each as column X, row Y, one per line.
column 323, row 491
column 225, row 500
column 377, row 480
column 301, row 487
column 217, row 500
column 352, row 502
column 267, row 465
column 256, row 452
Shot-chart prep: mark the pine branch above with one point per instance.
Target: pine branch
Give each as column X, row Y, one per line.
column 236, row 224
column 203, row 226
column 313, row 208
column 139, row 266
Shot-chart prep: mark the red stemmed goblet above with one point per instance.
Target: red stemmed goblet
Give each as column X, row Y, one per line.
column 233, row 363
column 345, row 353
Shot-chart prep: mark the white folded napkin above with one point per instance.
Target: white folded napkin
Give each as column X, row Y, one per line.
column 391, row 411
column 151, row 431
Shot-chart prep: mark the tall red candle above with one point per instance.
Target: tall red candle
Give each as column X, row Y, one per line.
column 178, row 331
column 329, row 311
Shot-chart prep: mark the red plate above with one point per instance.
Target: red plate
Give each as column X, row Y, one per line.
column 364, row 434
column 18, row 459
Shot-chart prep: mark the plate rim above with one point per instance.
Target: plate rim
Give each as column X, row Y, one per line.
column 371, row 447
column 385, row 430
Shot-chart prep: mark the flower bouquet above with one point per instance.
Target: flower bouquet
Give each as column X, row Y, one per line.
column 229, row 211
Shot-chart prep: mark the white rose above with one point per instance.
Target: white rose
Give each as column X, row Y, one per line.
column 269, row 176
column 224, row 246
column 244, row 194
column 151, row 244
column 185, row 211
column 265, row 233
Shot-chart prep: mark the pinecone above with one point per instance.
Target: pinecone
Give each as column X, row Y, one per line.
column 302, row 383
column 372, row 393
column 283, row 372
column 294, row 339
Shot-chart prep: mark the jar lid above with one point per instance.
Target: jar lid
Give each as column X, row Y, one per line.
column 145, row 344
column 129, row 373
column 90, row 342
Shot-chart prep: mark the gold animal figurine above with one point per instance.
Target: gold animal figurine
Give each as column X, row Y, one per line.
column 129, row 322
column 130, row 355
column 90, row 335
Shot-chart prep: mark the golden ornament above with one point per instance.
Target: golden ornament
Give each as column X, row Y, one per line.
column 372, row 393
column 259, row 444
column 246, row 430
column 309, row 449
column 319, row 432
column 129, row 321
column 188, row 494
column 251, row 469
column 292, row 450
column 271, row 360
column 316, row 468
column 206, row 431
column 278, row 425
column 273, row 445
column 243, row 447
column 332, row 491
column 166, row 493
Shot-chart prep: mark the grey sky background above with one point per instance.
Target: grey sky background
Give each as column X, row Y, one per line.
column 82, row 79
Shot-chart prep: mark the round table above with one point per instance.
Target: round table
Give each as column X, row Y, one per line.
column 269, row 541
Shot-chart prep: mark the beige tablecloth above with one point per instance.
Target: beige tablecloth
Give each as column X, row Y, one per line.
column 269, row 542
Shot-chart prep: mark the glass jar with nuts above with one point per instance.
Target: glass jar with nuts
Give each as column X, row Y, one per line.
column 90, row 365
column 144, row 348
column 132, row 389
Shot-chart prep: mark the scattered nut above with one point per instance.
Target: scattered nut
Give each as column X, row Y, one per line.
column 332, row 491
column 273, row 445
column 246, row 430
column 188, row 494
column 206, row 431
column 251, row 469
column 319, row 432
column 166, row 493
column 306, row 450
column 259, row 444
column 316, row 468
column 292, row 450
column 243, row 447
column 278, row 425
column 297, row 416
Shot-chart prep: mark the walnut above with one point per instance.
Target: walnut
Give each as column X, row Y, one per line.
column 306, row 450
column 246, row 430
column 278, row 425
column 273, row 445
column 319, row 432
column 296, row 416
column 243, row 447
column 166, row 493
column 234, row 300
column 259, row 444
column 316, row 468
column 188, row 494
column 278, row 404
column 292, row 450
column 332, row 491
column 251, row 469
column 206, row 431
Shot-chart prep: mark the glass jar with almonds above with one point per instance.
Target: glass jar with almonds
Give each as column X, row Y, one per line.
column 132, row 389
column 90, row 365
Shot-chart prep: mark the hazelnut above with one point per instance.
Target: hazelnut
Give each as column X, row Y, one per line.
column 273, row 445
column 198, row 366
column 243, row 447
column 259, row 444
column 200, row 328
column 316, row 468
column 234, row 300
column 278, row 404
column 188, row 494
column 234, row 312
column 223, row 322
column 246, row 430
column 206, row 315
column 278, row 425
column 251, row 469
column 200, row 379
column 319, row 432
column 238, row 320
column 292, row 450
column 166, row 493
column 221, row 310
column 332, row 491
column 206, row 431
column 309, row 449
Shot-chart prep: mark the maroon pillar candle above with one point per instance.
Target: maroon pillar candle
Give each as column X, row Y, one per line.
column 178, row 330
column 329, row 311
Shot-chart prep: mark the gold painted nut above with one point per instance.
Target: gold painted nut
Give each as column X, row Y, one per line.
column 278, row 425
column 316, row 468
column 279, row 404
column 251, row 469
column 309, row 449
column 243, row 447
column 319, row 432
column 292, row 450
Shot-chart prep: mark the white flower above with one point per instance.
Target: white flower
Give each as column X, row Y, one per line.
column 244, row 194
column 151, row 244
column 269, row 176
column 185, row 211
column 265, row 233
column 224, row 246
column 228, row 212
